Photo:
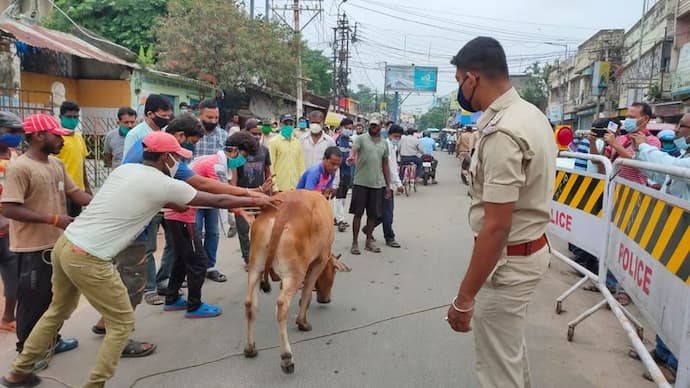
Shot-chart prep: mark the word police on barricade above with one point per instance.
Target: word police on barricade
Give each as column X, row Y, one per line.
column 649, row 253
column 578, row 213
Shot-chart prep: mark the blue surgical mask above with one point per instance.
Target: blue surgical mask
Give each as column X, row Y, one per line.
column 237, row 162
column 394, row 142
column 681, row 143
column 302, row 125
column 11, row 140
column 346, row 132
column 629, row 125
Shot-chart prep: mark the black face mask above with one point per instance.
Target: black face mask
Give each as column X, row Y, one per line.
column 160, row 122
column 209, row 126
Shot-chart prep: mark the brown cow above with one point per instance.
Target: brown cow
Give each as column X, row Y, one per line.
column 293, row 242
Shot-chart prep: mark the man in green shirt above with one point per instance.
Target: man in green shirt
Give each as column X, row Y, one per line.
column 371, row 183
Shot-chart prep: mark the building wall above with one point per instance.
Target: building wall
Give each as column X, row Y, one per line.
column 142, row 86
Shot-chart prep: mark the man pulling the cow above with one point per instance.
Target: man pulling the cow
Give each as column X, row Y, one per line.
column 321, row 176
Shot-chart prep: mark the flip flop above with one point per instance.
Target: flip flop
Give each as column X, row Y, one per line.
column 216, row 276
column 136, row 349
column 31, row 380
column 355, row 250
column 372, row 248
column 204, row 311
column 9, row 326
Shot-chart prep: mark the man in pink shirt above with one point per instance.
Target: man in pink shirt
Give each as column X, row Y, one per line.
column 190, row 256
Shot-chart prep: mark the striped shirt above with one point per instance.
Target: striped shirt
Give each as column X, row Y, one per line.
column 630, row 173
column 583, row 148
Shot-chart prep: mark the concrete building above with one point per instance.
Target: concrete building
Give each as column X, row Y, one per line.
column 572, row 99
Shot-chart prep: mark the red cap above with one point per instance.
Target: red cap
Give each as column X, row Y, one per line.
column 44, row 123
column 160, row 142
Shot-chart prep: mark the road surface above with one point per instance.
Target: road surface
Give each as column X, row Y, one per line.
column 388, row 312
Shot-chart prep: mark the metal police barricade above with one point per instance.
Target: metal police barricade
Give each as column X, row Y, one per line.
column 578, row 215
column 649, row 254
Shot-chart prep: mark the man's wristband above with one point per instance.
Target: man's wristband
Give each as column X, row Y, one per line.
column 458, row 309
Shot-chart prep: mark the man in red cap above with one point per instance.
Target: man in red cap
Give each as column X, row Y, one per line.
column 34, row 199
column 82, row 258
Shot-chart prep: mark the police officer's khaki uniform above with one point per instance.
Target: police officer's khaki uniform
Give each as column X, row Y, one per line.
column 514, row 161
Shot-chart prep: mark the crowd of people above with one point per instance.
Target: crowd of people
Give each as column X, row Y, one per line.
column 57, row 235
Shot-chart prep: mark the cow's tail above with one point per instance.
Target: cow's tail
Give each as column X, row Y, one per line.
column 279, row 223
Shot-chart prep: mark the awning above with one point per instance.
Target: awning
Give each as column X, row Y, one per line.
column 37, row 36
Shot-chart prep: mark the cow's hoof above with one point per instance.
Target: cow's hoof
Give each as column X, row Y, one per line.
column 304, row 326
column 323, row 300
column 250, row 351
column 286, row 363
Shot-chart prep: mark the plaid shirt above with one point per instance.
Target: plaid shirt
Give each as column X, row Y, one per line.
column 211, row 143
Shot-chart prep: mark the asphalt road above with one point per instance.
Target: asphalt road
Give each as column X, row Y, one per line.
column 387, row 313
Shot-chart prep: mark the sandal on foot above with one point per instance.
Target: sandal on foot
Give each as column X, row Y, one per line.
column 204, row 311
column 137, row 349
column 9, row 326
column 622, row 298
column 372, row 248
column 30, row 380
column 393, row 244
column 216, row 276
column 180, row 304
column 153, row 298
column 98, row 330
column 65, row 345
column 355, row 250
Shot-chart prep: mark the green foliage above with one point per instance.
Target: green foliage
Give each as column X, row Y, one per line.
column 319, row 69
column 537, row 90
column 146, row 57
column 436, row 117
column 368, row 99
column 219, row 39
column 126, row 22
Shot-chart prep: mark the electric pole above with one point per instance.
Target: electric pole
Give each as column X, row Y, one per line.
column 341, row 59
column 297, row 8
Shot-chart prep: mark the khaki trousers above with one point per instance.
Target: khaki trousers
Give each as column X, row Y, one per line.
column 499, row 320
column 74, row 273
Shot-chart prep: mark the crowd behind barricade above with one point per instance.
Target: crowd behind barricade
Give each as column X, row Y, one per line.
column 631, row 139
column 183, row 171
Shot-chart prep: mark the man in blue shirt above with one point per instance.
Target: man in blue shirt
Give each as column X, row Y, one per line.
column 320, row 177
column 429, row 146
column 343, row 141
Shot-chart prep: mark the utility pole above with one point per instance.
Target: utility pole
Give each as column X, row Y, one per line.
column 341, row 59
column 639, row 54
column 268, row 9
column 251, row 9
column 297, row 9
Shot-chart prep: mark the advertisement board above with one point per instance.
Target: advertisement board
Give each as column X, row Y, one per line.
column 411, row 79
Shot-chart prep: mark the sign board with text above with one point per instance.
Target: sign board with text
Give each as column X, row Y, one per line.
column 411, row 79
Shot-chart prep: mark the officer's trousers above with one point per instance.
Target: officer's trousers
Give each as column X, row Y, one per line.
column 499, row 320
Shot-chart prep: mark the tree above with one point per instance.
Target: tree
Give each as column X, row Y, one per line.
column 218, row 38
column 537, row 90
column 319, row 69
column 436, row 117
column 126, row 22
column 369, row 101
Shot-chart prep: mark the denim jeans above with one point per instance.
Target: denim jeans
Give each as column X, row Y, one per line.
column 387, row 219
column 665, row 354
column 243, row 236
column 411, row 159
column 207, row 223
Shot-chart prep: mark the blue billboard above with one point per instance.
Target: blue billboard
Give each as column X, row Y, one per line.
column 411, row 78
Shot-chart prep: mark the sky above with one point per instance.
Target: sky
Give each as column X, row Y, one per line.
column 430, row 32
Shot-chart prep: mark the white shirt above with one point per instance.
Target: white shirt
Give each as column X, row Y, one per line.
column 119, row 212
column 393, row 167
column 313, row 152
column 677, row 187
column 409, row 146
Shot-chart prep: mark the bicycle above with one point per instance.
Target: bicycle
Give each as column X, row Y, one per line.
column 409, row 177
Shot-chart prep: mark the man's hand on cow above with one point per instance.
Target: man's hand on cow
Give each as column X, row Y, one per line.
column 389, row 193
column 328, row 193
column 267, row 187
column 256, row 194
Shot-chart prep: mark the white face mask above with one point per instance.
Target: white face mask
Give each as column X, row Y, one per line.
column 173, row 169
column 315, row 128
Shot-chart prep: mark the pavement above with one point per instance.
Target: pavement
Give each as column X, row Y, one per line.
column 383, row 328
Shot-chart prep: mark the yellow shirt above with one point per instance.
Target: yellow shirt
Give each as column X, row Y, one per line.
column 73, row 153
column 287, row 162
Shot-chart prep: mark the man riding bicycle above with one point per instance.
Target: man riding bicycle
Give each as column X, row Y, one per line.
column 410, row 149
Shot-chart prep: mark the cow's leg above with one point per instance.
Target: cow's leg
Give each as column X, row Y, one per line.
column 309, row 282
column 289, row 290
column 250, row 312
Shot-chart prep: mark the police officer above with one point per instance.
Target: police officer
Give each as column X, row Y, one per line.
column 511, row 183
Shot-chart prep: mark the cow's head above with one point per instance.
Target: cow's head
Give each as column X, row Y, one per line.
column 325, row 281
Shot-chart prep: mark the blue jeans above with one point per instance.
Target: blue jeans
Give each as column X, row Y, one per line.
column 411, row 159
column 387, row 219
column 207, row 220
column 665, row 354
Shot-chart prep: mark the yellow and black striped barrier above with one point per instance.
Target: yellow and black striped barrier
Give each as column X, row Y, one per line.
column 660, row 228
column 580, row 192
